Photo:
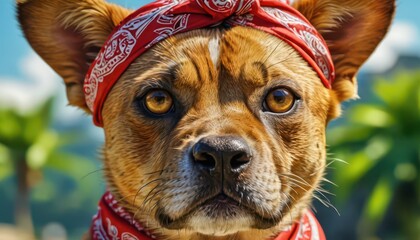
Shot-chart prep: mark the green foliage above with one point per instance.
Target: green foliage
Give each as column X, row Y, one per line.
column 5, row 162
column 381, row 143
column 30, row 137
column 55, row 176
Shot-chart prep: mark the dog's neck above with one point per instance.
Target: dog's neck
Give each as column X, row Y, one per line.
column 114, row 222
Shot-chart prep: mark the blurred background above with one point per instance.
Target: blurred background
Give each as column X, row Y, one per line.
column 50, row 169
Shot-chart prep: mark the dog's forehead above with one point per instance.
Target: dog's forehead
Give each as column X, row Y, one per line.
column 238, row 53
column 227, row 58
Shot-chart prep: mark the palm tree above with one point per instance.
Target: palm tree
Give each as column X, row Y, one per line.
column 381, row 143
column 28, row 145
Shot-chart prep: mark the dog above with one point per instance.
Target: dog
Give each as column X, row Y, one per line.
column 213, row 132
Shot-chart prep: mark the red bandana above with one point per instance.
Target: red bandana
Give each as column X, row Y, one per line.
column 161, row 19
column 112, row 222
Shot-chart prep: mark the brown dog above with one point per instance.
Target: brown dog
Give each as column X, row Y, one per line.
column 204, row 94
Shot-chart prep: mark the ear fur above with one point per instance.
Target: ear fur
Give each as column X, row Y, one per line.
column 68, row 34
column 352, row 30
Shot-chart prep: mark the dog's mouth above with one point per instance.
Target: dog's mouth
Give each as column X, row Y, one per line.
column 220, row 207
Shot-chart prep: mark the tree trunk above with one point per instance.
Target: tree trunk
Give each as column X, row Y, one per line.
column 23, row 216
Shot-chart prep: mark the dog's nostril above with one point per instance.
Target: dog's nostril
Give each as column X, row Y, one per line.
column 204, row 155
column 238, row 160
column 204, row 159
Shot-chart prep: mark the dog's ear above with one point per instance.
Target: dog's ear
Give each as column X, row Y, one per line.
column 352, row 30
column 68, row 35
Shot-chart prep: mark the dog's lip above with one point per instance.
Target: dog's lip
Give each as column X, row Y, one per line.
column 177, row 223
column 221, row 199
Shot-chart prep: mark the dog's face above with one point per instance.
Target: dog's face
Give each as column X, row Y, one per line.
column 219, row 142
column 214, row 132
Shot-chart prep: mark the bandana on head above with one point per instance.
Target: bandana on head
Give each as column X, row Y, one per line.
column 161, row 19
column 112, row 222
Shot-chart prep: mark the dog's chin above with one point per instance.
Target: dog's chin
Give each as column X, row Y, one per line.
column 219, row 216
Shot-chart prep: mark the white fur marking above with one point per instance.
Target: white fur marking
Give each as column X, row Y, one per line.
column 214, row 50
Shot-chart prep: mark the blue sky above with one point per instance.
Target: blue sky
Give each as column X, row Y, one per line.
column 26, row 80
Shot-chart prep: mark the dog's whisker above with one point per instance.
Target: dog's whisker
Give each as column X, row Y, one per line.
column 328, row 181
column 150, row 198
column 327, row 201
column 145, row 185
column 289, row 195
column 321, row 200
column 119, row 200
column 313, row 209
column 337, row 160
column 149, row 194
column 90, row 173
column 154, row 206
column 288, row 207
column 284, row 59
column 330, row 163
column 299, row 183
column 274, row 64
column 155, row 172
column 296, row 178
column 327, row 204
column 300, row 178
column 321, row 168
column 321, row 190
column 135, row 214
column 268, row 57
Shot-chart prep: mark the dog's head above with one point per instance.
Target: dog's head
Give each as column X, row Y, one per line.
column 214, row 131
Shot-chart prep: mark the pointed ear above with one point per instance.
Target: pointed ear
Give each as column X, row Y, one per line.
column 68, row 35
column 352, row 30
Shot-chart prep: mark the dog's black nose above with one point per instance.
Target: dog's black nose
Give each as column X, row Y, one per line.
column 222, row 153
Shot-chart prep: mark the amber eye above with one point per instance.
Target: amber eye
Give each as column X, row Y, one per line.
column 158, row 102
column 279, row 100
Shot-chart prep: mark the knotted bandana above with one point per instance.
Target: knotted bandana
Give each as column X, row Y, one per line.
column 164, row 18
column 114, row 222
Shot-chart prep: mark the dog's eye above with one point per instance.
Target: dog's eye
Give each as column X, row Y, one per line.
column 158, row 102
column 279, row 100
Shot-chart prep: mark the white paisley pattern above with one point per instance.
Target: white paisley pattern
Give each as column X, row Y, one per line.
column 113, row 204
column 171, row 25
column 314, row 227
column 226, row 6
column 111, row 231
column 308, row 228
column 120, row 46
column 306, row 33
column 219, row 5
column 98, row 230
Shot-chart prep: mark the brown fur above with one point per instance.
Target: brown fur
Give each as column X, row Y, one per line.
column 212, row 100
column 68, row 35
column 352, row 30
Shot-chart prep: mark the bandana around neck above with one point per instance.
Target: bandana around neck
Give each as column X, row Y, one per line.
column 164, row 18
column 112, row 222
